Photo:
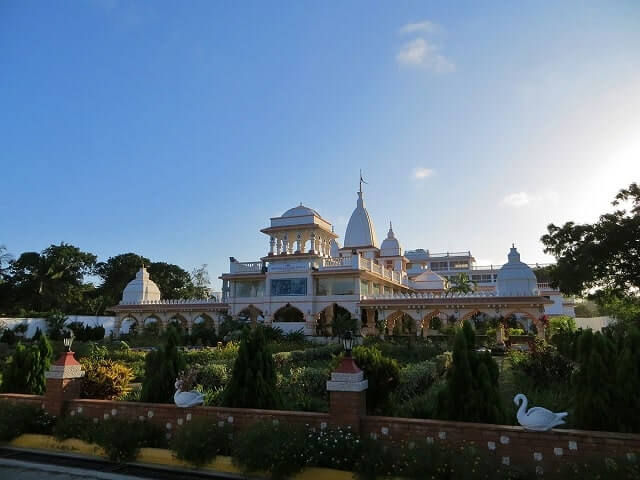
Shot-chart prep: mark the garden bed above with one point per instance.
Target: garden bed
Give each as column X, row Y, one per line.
column 158, row 456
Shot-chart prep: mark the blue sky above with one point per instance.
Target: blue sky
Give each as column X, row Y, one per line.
column 177, row 129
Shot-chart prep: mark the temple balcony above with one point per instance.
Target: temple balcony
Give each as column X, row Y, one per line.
column 356, row 262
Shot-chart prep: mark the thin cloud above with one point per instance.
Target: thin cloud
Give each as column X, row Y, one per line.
column 420, row 173
column 521, row 199
column 425, row 26
column 420, row 53
column 516, row 200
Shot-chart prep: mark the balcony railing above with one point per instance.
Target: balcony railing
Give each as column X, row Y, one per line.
column 245, row 267
column 356, row 262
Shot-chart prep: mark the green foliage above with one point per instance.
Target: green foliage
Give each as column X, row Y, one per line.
column 542, row 366
column 227, row 352
column 561, row 324
column 275, row 448
column 599, row 468
column 212, row 376
column 86, row 333
column 343, row 323
column 105, row 379
column 304, row 357
column 16, row 419
column 200, row 441
column 472, row 392
column 253, row 382
column 162, row 368
column 122, row 438
column 599, row 256
column 405, row 353
column 415, row 379
column 383, row 374
column 24, row 372
column 55, row 323
column 304, row 388
column 74, row 426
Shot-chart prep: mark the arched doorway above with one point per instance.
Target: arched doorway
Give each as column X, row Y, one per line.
column 334, row 320
column 288, row 319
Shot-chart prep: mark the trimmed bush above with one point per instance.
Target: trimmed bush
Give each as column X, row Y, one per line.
column 339, row 448
column 162, row 368
column 303, row 357
column 383, row 374
column 275, row 448
column 16, row 419
column 122, row 439
column 75, row 426
column 304, row 388
column 200, row 441
column 253, row 382
column 213, row 376
column 472, row 391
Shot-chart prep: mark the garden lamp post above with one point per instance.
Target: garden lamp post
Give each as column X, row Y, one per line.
column 68, row 340
column 347, row 342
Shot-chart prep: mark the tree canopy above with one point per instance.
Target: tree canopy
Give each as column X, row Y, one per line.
column 56, row 279
column 601, row 259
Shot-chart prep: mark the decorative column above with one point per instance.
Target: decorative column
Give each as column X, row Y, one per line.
column 279, row 247
column 347, row 395
column 272, row 245
column 298, row 242
column 64, row 380
column 312, row 243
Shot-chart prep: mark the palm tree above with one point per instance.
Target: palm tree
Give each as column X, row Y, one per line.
column 461, row 283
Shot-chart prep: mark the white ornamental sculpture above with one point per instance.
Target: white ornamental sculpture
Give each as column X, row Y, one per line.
column 537, row 418
column 186, row 399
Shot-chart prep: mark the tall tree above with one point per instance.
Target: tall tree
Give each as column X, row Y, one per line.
column 5, row 260
column 601, row 259
column 201, row 282
column 173, row 281
column 52, row 279
column 162, row 368
column 116, row 273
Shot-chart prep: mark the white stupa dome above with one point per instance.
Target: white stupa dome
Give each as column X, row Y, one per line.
column 140, row 289
column 390, row 246
column 299, row 211
column 360, row 229
column 516, row 278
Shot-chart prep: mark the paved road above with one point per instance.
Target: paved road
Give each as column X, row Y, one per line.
column 31, row 473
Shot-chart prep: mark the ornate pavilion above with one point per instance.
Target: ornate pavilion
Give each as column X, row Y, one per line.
column 306, row 278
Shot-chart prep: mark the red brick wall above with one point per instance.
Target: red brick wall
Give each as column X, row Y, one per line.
column 35, row 400
column 527, row 449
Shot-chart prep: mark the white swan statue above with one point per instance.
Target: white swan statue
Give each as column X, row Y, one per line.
column 537, row 419
column 186, row 399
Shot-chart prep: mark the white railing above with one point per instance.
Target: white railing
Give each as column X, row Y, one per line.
column 545, row 286
column 245, row 267
column 365, row 264
column 336, row 262
column 178, row 301
column 375, row 268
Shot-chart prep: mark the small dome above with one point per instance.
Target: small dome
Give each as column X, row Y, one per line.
column 141, row 289
column 299, row 211
column 516, row 278
column 360, row 231
column 390, row 246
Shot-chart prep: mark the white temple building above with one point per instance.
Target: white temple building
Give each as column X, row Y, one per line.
column 305, row 279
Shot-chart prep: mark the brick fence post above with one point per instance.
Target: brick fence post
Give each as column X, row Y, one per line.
column 64, row 379
column 347, row 395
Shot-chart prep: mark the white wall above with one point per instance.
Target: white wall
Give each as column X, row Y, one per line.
column 41, row 323
column 594, row 323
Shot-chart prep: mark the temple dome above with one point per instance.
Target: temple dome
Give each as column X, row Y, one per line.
column 299, row 211
column 516, row 278
column 390, row 246
column 360, row 229
column 140, row 289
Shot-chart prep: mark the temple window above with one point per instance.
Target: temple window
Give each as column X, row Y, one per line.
column 335, row 286
column 288, row 286
column 249, row 288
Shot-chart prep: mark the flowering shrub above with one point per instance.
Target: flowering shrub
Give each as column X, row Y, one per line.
column 340, row 448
